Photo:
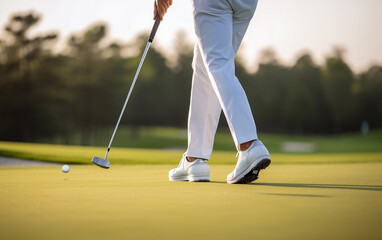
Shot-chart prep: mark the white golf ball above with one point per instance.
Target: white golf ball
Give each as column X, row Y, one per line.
column 65, row 168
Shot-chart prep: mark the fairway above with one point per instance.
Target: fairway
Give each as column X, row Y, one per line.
column 83, row 155
column 305, row 201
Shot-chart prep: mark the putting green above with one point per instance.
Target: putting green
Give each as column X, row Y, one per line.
column 314, row 201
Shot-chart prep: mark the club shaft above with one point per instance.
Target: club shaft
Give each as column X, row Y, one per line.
column 128, row 96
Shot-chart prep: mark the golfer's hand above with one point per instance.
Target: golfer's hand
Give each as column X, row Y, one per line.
column 160, row 8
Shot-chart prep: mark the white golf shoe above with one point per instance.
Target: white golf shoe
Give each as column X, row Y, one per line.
column 249, row 164
column 196, row 171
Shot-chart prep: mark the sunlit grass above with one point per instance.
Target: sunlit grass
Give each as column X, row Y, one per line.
column 325, row 201
column 83, row 155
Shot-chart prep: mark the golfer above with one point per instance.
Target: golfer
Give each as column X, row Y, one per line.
column 220, row 26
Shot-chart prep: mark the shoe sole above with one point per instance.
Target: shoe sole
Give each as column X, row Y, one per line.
column 191, row 179
column 199, row 179
column 253, row 174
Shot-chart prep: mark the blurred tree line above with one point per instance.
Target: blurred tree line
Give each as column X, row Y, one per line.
column 81, row 90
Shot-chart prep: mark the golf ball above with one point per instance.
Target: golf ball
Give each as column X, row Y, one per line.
column 65, row 168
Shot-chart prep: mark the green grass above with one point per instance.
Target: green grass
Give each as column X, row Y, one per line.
column 334, row 193
column 176, row 138
column 83, row 155
column 324, row 201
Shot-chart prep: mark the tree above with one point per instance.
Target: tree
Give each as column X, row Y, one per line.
column 90, row 84
column 370, row 96
column 24, row 112
column 151, row 99
column 306, row 109
column 181, row 78
column 339, row 85
column 267, row 93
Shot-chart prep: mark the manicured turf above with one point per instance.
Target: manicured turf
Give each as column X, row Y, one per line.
column 333, row 194
column 83, row 155
column 304, row 201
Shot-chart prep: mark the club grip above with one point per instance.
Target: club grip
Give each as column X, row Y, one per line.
column 154, row 30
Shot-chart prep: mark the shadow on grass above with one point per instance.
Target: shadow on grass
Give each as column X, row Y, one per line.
column 309, row 185
column 38, row 158
column 296, row 195
column 218, row 182
column 330, row 186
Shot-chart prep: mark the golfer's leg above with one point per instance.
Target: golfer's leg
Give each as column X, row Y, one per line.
column 204, row 111
column 242, row 16
column 214, row 30
column 243, row 13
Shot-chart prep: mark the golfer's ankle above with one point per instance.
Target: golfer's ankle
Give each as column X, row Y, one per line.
column 191, row 159
column 246, row 145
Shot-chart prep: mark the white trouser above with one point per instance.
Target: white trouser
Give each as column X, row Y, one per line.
column 220, row 26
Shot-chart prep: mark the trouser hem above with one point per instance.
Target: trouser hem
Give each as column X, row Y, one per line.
column 197, row 154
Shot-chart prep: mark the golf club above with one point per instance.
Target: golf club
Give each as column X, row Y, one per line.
column 103, row 162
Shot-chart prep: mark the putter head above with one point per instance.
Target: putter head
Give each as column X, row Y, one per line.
column 103, row 163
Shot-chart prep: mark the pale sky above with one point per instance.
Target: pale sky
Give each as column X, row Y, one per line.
column 289, row 26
